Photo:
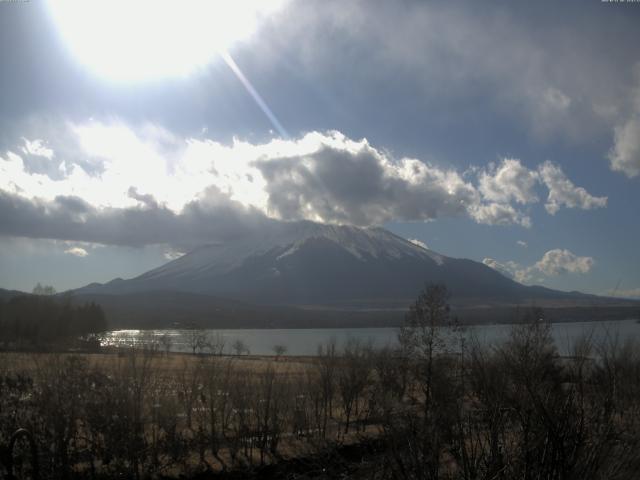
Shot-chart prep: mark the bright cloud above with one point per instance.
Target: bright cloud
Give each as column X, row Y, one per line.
column 625, row 154
column 498, row 214
column 36, row 147
column 522, row 243
column 553, row 263
column 510, row 181
column 508, row 269
column 561, row 261
column 562, row 191
column 177, row 37
column 419, row 243
column 77, row 251
column 147, row 180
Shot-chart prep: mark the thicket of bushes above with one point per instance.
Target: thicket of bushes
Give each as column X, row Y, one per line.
column 516, row 411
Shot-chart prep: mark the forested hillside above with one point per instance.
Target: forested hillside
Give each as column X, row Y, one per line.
column 40, row 319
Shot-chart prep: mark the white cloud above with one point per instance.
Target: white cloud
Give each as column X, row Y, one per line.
column 562, row 191
column 625, row 154
column 522, row 243
column 510, row 181
column 508, row 269
column 419, row 243
column 324, row 177
column 150, row 178
column 560, row 261
column 36, row 147
column 77, row 251
column 553, row 263
column 498, row 214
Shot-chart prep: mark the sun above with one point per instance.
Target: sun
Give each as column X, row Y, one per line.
column 140, row 40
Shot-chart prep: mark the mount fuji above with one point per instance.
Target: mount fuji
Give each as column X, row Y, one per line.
column 309, row 264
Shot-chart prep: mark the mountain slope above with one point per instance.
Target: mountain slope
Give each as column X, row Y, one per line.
column 305, row 263
column 8, row 294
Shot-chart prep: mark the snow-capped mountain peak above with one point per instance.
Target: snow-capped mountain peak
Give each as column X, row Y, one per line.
column 309, row 263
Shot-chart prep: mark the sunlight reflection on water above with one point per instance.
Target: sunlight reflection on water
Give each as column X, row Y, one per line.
column 306, row 341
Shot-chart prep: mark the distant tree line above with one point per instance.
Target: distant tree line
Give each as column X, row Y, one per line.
column 42, row 319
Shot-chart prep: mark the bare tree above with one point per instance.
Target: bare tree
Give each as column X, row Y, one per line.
column 415, row 438
column 165, row 341
column 240, row 348
column 353, row 378
column 327, row 367
column 217, row 375
column 279, row 350
column 217, row 344
column 40, row 289
column 197, row 340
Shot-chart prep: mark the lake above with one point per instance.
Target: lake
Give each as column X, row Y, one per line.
column 306, row 341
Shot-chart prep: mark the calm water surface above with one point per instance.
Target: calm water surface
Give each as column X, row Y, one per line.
column 306, row 341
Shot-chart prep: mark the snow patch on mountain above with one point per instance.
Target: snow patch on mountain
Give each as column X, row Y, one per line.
column 362, row 243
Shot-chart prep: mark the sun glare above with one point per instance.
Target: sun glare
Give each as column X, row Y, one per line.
column 138, row 40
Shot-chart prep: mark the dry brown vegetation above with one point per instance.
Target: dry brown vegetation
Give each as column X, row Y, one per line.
column 424, row 411
column 143, row 413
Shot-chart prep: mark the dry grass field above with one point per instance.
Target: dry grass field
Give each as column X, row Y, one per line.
column 515, row 411
column 132, row 411
column 168, row 363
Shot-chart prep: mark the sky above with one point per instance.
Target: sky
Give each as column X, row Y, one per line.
column 504, row 132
